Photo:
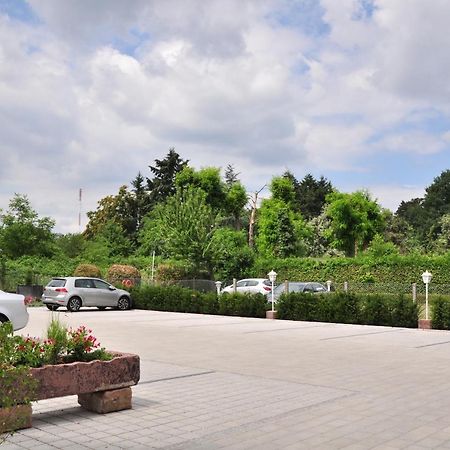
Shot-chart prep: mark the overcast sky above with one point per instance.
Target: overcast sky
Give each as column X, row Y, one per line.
column 93, row 91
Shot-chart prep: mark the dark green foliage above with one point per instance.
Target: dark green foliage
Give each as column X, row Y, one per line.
column 404, row 312
column 311, row 195
column 231, row 256
column 179, row 299
column 349, row 308
column 23, row 232
column 413, row 212
column 243, row 305
column 162, row 185
column 174, row 299
column 297, row 306
column 373, row 310
column 440, row 313
column 354, row 220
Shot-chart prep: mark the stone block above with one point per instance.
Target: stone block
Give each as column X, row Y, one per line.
column 271, row 314
column 106, row 401
column 15, row 418
column 425, row 324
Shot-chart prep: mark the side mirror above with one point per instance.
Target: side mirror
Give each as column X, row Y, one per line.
column 112, row 288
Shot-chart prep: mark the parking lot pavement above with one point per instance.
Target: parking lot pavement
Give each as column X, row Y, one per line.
column 212, row 382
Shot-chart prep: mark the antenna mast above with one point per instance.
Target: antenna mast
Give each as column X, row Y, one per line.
column 80, row 195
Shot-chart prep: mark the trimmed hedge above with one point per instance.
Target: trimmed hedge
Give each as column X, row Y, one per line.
column 373, row 309
column 391, row 270
column 179, row 299
column 87, row 270
column 440, row 313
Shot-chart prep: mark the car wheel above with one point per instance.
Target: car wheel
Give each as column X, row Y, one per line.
column 101, row 308
column 74, row 304
column 52, row 307
column 3, row 319
column 124, row 303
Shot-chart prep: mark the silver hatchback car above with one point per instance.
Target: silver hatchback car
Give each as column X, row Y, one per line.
column 75, row 292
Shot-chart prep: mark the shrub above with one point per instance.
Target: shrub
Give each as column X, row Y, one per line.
column 118, row 273
column 243, row 305
column 179, row 299
column 440, row 313
column 343, row 307
column 173, row 270
column 87, row 270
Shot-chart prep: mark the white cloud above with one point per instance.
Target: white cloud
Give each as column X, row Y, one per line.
column 97, row 91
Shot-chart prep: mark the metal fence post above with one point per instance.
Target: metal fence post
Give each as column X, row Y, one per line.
column 234, row 285
column 346, row 286
column 414, row 292
column 286, row 286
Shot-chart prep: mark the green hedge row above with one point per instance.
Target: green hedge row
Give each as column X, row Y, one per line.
column 179, row 299
column 372, row 309
column 390, row 269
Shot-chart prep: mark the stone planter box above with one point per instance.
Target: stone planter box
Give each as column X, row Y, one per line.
column 101, row 386
column 87, row 377
column 15, row 418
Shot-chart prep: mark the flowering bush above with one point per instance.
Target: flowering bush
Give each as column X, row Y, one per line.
column 62, row 345
column 81, row 344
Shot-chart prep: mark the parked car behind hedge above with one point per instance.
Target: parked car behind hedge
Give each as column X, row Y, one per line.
column 296, row 286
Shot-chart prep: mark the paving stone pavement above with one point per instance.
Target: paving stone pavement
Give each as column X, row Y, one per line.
column 211, row 382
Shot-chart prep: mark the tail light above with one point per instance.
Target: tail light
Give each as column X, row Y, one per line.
column 267, row 288
column 61, row 290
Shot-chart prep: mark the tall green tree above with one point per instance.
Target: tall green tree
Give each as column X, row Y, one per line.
column 23, row 232
column 141, row 203
column 354, row 220
column 436, row 201
column 162, row 185
column 281, row 230
column 310, row 195
column 182, row 227
column 118, row 209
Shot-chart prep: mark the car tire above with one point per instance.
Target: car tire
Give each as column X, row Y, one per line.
column 74, row 304
column 52, row 307
column 3, row 319
column 124, row 303
column 101, row 308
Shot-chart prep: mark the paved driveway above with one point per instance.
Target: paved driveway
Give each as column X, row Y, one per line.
column 212, row 382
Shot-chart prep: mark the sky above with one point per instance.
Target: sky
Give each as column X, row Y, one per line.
column 93, row 91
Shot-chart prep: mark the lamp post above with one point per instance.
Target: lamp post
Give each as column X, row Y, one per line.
column 272, row 277
column 426, row 278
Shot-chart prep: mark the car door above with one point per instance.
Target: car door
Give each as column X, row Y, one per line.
column 104, row 295
column 84, row 288
column 240, row 286
column 251, row 286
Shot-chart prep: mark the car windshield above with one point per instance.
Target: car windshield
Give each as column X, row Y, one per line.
column 57, row 282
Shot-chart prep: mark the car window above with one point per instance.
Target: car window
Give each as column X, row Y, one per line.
column 100, row 284
column 83, row 283
column 252, row 283
column 267, row 283
column 240, row 284
column 297, row 287
column 308, row 288
column 57, row 282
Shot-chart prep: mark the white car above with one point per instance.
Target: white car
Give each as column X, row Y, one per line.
column 251, row 285
column 13, row 309
column 76, row 292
